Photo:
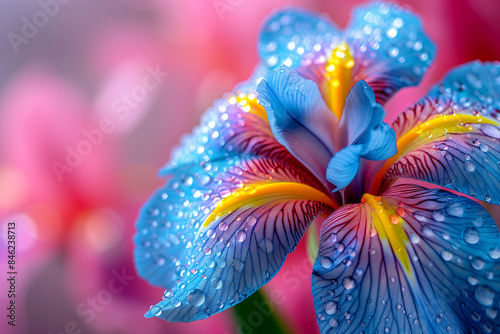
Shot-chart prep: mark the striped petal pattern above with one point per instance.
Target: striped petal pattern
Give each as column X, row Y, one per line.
column 451, row 138
column 413, row 260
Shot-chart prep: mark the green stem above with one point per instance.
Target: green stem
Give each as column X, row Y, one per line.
column 258, row 314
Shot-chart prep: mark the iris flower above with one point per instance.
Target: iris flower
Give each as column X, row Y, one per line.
column 405, row 244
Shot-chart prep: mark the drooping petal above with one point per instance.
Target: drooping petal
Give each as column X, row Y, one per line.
column 452, row 137
column 411, row 261
column 299, row 118
column 392, row 50
column 361, row 134
column 213, row 237
column 235, row 204
column 343, row 167
column 293, row 35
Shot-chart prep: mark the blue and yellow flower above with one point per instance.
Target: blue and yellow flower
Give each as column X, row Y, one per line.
column 405, row 245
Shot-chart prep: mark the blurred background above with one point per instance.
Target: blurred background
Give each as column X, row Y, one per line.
column 141, row 72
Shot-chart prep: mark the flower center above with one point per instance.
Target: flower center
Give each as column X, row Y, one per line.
column 338, row 74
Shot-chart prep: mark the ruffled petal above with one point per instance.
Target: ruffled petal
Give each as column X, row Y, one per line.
column 293, row 35
column 299, row 118
column 452, row 137
column 392, row 50
column 235, row 204
column 411, row 261
column 215, row 233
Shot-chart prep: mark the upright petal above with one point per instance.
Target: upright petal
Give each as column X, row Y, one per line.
column 361, row 134
column 392, row 49
column 299, row 118
column 236, row 203
column 451, row 137
column 293, row 35
column 411, row 261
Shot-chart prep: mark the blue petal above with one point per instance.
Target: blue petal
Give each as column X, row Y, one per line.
column 362, row 133
column 232, row 154
column 393, row 51
column 443, row 277
column 464, row 156
column 343, row 167
column 210, row 264
column 292, row 34
column 299, row 118
column 474, row 85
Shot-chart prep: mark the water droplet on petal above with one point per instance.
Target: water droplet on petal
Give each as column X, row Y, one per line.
column 195, row 297
column 333, row 322
column 168, row 294
column 326, row 262
column 471, row 235
column 266, row 245
column 348, row 283
column 216, row 283
column 477, row 263
column 251, row 220
column 484, row 295
column 469, row 166
column 238, row 265
column 438, row 216
column 156, row 311
column 494, row 252
column 330, row 308
column 446, row 254
column 241, row 236
column 455, row 209
column 472, row 280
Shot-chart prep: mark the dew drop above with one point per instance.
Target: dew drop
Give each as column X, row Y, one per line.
column 477, row 221
column 394, row 219
column 251, row 220
column 471, row 235
column 168, row 294
column 333, row 322
column 266, row 245
column 491, row 313
column 195, row 297
column 175, row 302
column 484, row 295
column 472, row 280
column 477, row 263
column 156, row 311
column 400, row 211
column 469, row 166
column 348, row 283
column 455, row 209
column 238, row 265
column 241, row 236
column 326, row 262
column 446, row 254
column 438, row 216
column 494, row 252
column 216, row 283
column 330, row 308
column 414, row 238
